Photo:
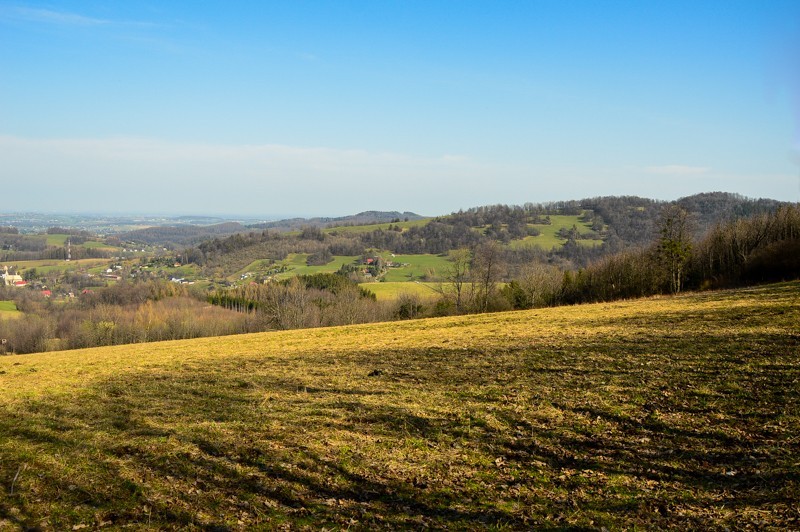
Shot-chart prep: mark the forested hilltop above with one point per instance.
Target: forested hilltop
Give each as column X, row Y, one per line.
column 483, row 259
column 603, row 226
column 181, row 235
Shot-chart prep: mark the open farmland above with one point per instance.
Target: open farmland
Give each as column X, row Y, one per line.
column 294, row 264
column 61, row 240
column 56, row 239
column 416, row 267
column 47, row 265
column 679, row 412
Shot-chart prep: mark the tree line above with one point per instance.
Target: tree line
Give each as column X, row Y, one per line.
column 619, row 223
column 484, row 276
column 760, row 248
column 124, row 313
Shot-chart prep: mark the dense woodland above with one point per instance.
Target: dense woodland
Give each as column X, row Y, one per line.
column 648, row 247
column 124, row 313
column 621, row 223
column 362, row 218
column 181, row 235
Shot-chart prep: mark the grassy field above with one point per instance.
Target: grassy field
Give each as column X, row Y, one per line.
column 678, row 413
column 389, row 291
column 297, row 263
column 418, row 267
column 43, row 266
column 9, row 310
column 61, row 240
column 56, row 240
column 549, row 233
column 94, row 244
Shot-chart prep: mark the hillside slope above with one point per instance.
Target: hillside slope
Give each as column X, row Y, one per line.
column 666, row 412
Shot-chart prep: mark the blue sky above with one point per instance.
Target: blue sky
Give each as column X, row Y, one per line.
column 330, row 108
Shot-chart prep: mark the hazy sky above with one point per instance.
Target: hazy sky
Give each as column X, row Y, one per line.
column 273, row 108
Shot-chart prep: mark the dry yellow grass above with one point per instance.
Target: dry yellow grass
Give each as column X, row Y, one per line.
column 666, row 412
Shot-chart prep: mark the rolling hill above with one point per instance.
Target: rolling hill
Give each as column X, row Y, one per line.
column 672, row 412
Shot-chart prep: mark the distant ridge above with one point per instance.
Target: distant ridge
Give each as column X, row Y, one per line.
column 362, row 218
column 629, row 218
column 182, row 234
column 186, row 234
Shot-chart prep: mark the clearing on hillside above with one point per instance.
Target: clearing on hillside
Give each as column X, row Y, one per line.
column 679, row 412
column 549, row 233
column 8, row 309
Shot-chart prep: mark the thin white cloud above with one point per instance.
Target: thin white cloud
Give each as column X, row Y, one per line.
column 53, row 17
column 65, row 18
column 677, row 170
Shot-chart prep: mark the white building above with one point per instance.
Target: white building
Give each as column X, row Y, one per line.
column 10, row 280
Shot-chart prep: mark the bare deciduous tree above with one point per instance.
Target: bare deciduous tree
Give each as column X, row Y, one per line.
column 457, row 275
column 675, row 243
column 486, row 269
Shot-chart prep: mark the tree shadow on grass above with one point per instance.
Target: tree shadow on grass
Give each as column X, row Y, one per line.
column 135, row 467
column 212, row 448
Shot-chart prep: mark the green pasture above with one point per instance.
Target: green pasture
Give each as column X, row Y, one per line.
column 296, row 264
column 57, row 240
column 48, row 265
column 95, row 244
column 259, row 266
column 8, row 309
column 185, row 270
column 418, row 266
column 549, row 238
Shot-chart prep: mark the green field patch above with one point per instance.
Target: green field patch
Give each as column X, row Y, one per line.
column 185, row 271
column 95, row 244
column 390, row 291
column 296, row 265
column 57, row 240
column 48, row 265
column 415, row 267
column 8, row 309
column 257, row 267
column 549, row 238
